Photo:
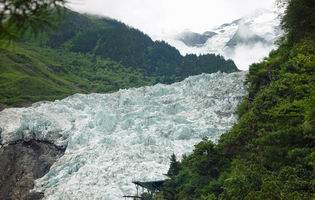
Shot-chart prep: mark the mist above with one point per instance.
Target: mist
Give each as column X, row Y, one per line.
column 245, row 55
column 166, row 17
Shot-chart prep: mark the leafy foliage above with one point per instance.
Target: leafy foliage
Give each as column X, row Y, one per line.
column 111, row 39
column 269, row 153
column 299, row 19
column 91, row 54
column 29, row 73
column 19, row 16
column 174, row 166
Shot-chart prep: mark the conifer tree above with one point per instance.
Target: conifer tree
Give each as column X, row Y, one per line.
column 19, row 16
column 174, row 166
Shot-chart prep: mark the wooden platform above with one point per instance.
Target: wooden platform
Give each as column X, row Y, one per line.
column 150, row 188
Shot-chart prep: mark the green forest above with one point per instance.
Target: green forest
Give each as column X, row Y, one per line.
column 269, row 153
column 84, row 54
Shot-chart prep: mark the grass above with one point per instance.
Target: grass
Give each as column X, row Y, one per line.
column 29, row 73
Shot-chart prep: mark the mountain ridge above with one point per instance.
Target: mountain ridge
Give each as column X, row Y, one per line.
column 85, row 54
column 256, row 31
column 269, row 152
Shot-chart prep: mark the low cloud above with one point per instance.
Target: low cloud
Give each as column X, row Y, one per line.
column 245, row 55
column 244, row 31
column 168, row 16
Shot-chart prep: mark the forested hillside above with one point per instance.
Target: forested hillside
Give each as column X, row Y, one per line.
column 269, row 153
column 84, row 54
column 30, row 73
column 112, row 39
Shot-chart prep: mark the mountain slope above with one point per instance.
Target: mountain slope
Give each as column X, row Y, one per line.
column 29, row 73
column 237, row 40
column 111, row 39
column 269, row 152
column 87, row 54
column 195, row 39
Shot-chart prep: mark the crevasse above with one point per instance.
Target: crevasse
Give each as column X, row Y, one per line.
column 114, row 139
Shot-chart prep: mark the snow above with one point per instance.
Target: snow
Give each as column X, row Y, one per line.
column 114, row 139
column 261, row 22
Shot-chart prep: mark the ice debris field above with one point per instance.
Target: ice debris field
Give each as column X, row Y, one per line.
column 114, row 139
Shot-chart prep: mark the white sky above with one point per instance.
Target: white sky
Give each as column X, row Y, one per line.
column 157, row 17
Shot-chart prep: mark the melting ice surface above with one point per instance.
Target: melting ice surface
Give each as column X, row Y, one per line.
column 114, row 139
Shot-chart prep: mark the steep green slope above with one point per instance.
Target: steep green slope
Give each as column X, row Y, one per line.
column 269, row 153
column 29, row 73
column 92, row 54
column 132, row 48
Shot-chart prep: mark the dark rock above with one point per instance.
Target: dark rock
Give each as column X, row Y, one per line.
column 34, row 196
column 22, row 163
column 195, row 39
column 209, row 34
column 251, row 39
column 2, row 106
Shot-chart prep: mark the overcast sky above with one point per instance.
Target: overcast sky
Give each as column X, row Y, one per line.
column 156, row 17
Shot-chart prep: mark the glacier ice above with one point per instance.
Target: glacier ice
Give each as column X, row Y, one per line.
column 114, row 139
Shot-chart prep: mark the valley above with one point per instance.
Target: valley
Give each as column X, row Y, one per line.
column 90, row 105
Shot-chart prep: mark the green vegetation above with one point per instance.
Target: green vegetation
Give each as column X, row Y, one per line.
column 174, row 166
column 269, row 153
column 90, row 54
column 19, row 16
column 130, row 47
column 29, row 73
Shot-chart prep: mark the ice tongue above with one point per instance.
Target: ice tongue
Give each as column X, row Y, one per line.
column 114, row 139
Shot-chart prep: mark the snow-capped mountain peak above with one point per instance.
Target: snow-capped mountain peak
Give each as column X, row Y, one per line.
column 245, row 40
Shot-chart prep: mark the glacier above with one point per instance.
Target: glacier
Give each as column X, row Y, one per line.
column 114, row 139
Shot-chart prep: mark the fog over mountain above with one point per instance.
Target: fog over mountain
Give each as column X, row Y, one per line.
column 165, row 16
column 245, row 40
column 194, row 26
column 101, row 104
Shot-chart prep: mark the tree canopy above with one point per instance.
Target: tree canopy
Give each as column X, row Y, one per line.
column 269, row 152
column 18, row 16
column 299, row 19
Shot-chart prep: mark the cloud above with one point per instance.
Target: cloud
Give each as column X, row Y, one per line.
column 169, row 16
column 245, row 32
column 245, row 55
column 166, row 17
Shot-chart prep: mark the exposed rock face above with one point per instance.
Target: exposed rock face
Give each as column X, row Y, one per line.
column 22, row 163
column 192, row 39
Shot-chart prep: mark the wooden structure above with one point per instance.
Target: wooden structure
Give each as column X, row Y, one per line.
column 146, row 190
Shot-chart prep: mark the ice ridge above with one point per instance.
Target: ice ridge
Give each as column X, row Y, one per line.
column 114, row 139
